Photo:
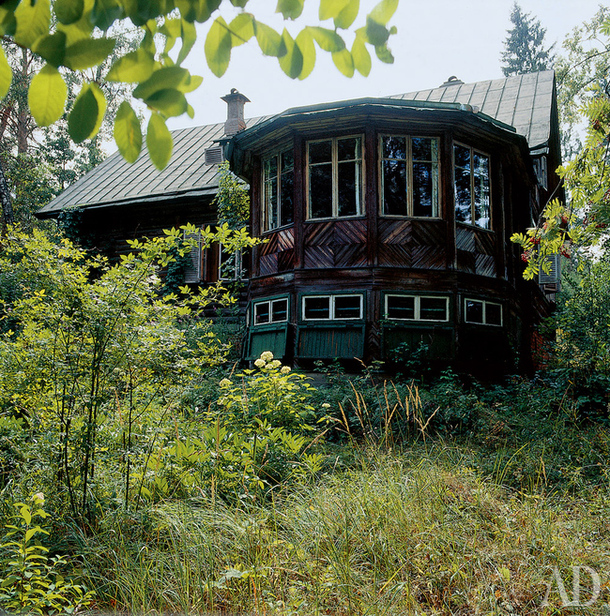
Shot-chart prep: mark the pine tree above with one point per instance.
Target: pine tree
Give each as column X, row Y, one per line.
column 524, row 50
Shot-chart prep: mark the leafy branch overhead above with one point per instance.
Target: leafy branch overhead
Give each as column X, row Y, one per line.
column 77, row 35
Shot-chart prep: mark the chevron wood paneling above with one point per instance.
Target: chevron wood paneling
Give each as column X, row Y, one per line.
column 353, row 255
column 391, row 255
column 464, row 239
column 395, row 231
column 285, row 260
column 268, row 264
column 319, row 256
column 350, row 232
column 428, row 257
column 485, row 265
column 485, row 243
column 319, row 234
column 466, row 261
column 429, row 233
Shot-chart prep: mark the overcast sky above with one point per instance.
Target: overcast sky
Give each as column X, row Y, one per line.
column 436, row 39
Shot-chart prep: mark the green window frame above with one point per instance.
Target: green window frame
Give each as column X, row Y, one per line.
column 472, row 186
column 278, row 191
column 335, row 179
column 409, row 173
column 405, row 307
column 270, row 311
column 483, row 312
column 343, row 307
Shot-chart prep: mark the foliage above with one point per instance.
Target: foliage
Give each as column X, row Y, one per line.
column 232, row 199
column 65, row 34
column 524, row 50
column 31, row 582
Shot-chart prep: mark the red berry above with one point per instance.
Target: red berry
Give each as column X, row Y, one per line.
column 525, row 257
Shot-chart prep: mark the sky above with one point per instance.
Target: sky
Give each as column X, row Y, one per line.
column 436, row 39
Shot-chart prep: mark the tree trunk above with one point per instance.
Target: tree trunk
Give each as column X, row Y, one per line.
column 6, row 212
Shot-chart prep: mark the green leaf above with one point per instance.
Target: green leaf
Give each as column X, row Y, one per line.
column 8, row 23
column 328, row 40
column 305, row 43
column 127, row 132
column 292, row 61
column 384, row 54
column 47, row 96
column 361, row 56
column 344, row 62
column 33, row 21
column 134, row 67
column 6, row 74
column 68, row 11
column 105, row 13
column 376, row 34
column 189, row 37
column 239, row 3
column 166, row 77
column 88, row 52
column 383, row 12
column 87, row 113
column 170, row 103
column 158, row 141
column 269, row 41
column 218, row 46
column 26, row 515
column 52, row 48
column 348, row 15
column 290, row 9
column 172, row 30
column 242, row 29
column 329, row 9
column 197, row 10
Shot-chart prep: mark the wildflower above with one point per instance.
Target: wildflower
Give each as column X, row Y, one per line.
column 225, row 383
column 38, row 498
column 260, row 363
column 285, row 369
column 326, row 405
column 267, row 356
column 275, row 364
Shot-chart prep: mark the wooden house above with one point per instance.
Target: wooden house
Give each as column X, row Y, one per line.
column 387, row 220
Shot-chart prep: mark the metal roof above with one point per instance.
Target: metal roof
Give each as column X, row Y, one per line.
column 523, row 101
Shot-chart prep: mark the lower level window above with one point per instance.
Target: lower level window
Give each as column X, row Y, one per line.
column 332, row 307
column 272, row 311
column 485, row 313
column 416, row 308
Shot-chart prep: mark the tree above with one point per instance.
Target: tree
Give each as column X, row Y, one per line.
column 83, row 39
column 524, row 50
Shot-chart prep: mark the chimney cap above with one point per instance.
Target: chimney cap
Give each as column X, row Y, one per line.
column 452, row 81
column 235, row 94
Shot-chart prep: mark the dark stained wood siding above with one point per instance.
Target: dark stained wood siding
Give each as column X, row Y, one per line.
column 336, row 243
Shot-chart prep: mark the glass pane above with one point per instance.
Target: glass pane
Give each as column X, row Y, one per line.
column 474, row 311
column 347, row 307
column 271, row 168
column 481, row 190
column 287, row 161
column 279, row 310
column 493, row 314
column 422, row 148
column 348, row 149
column 433, row 309
column 400, row 307
column 287, row 192
column 394, row 187
column 461, row 156
column 349, row 189
column 317, row 308
column 395, row 147
column 261, row 313
column 321, row 191
column 320, row 152
column 425, row 182
column 463, row 200
column 271, row 204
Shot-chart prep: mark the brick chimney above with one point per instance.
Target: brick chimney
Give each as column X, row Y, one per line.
column 235, row 112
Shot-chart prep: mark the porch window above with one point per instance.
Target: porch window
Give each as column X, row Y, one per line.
column 272, row 311
column 472, row 186
column 278, row 182
column 332, row 307
column 416, row 308
column 334, row 172
column 409, row 176
column 482, row 312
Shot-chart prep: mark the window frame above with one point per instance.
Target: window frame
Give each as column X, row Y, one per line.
column 238, row 272
column 409, row 176
column 335, row 178
column 270, row 302
column 472, row 151
column 485, row 303
column 332, row 307
column 265, row 218
column 416, row 308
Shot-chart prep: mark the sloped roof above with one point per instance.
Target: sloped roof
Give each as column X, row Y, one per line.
column 524, row 102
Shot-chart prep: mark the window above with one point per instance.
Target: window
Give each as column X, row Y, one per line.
column 409, row 176
column 229, row 264
column 332, row 307
column 278, row 182
column 334, row 168
column 194, row 262
column 272, row 311
column 485, row 313
column 416, row 308
column 472, row 192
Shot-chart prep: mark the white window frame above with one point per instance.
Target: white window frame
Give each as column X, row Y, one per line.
column 194, row 274
column 409, row 178
column 485, row 303
column 270, row 302
column 266, row 222
column 332, row 299
column 335, row 178
column 473, row 151
column 417, row 307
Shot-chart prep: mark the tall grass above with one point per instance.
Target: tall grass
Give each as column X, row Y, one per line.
column 412, row 534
